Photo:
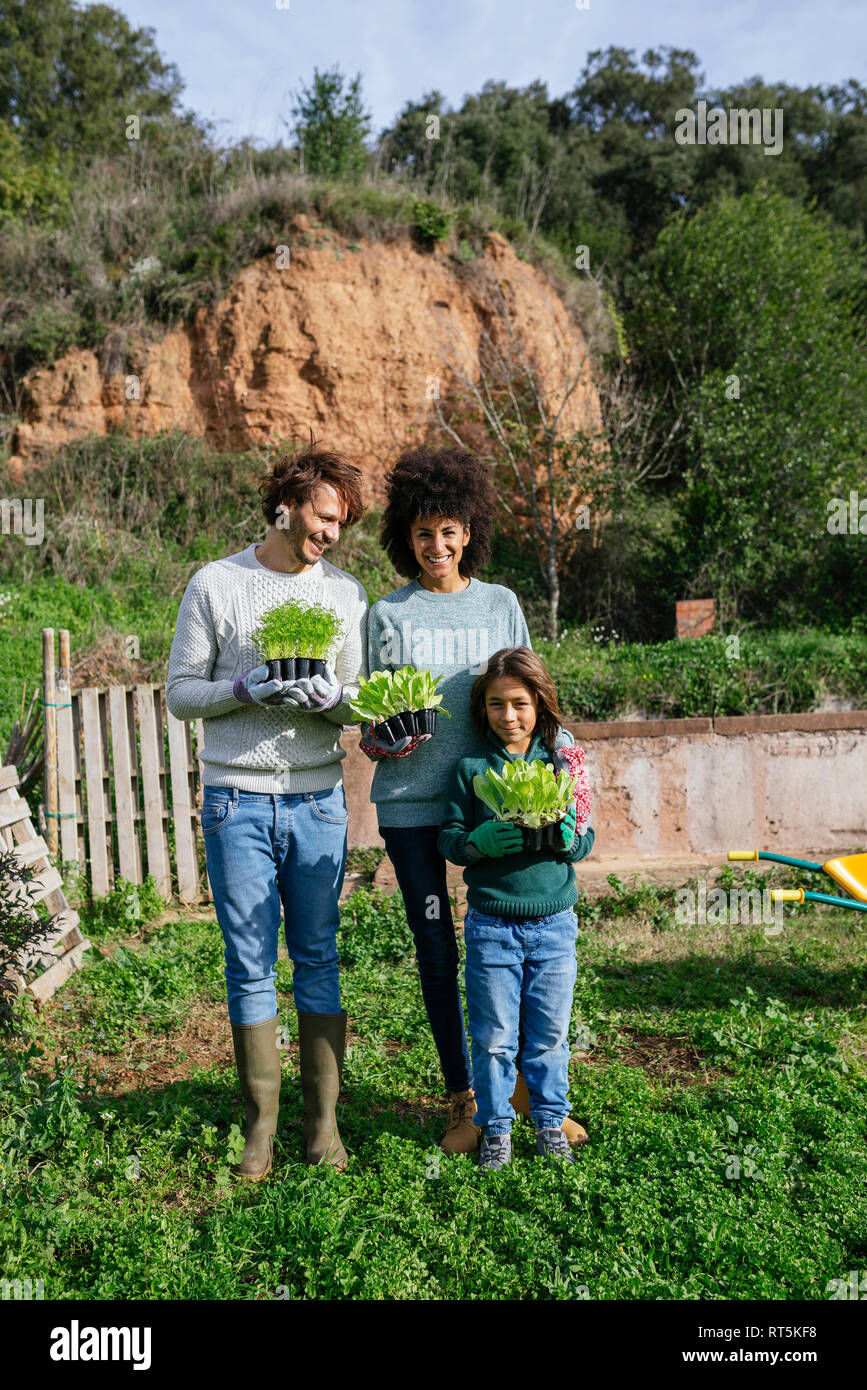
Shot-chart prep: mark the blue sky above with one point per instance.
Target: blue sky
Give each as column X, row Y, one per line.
column 242, row 59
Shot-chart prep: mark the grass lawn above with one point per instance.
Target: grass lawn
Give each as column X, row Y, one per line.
column 719, row 1072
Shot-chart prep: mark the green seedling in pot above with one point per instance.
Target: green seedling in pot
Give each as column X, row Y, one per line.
column 399, row 703
column 528, row 795
column 295, row 640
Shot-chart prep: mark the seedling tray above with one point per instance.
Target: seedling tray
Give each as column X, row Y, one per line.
column 538, row 837
column 406, row 725
column 292, row 668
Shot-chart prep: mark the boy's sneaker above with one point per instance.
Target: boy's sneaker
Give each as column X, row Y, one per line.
column 495, row 1150
column 552, row 1143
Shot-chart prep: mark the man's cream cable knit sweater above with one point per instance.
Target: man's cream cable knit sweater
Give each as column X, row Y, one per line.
column 261, row 748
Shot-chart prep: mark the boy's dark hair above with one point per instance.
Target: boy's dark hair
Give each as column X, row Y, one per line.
column 524, row 666
column 295, row 477
column 438, row 482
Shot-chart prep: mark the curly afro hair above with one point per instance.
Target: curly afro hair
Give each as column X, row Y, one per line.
column 438, row 482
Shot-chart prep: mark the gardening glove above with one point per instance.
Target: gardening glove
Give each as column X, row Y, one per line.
column 257, row 687
column 567, row 826
column 496, row 838
column 314, row 693
column 377, row 748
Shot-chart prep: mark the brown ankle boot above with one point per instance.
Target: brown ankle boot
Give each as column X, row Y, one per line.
column 461, row 1136
column 575, row 1133
column 258, row 1061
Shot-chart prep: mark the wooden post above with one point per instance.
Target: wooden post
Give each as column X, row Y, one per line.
column 49, row 705
column 183, row 808
column 98, row 816
column 77, row 752
column 149, row 713
column 68, row 808
column 124, row 765
column 200, row 748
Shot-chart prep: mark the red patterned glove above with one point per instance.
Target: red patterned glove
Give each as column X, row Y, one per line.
column 574, row 756
column 376, row 749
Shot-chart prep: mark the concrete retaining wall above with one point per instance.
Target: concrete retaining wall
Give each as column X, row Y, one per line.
column 669, row 787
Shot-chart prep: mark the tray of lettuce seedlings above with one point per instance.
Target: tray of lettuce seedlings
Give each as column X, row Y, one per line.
column 295, row 640
column 399, row 704
column 530, row 796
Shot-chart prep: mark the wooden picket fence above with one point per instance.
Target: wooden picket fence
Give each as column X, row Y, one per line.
column 55, row 959
column 110, row 797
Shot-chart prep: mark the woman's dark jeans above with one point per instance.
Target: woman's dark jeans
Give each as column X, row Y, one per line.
column 421, row 876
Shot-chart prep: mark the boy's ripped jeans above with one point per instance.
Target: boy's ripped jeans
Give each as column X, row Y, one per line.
column 510, row 964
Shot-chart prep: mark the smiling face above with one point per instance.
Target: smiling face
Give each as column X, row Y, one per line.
column 438, row 544
column 311, row 528
column 511, row 711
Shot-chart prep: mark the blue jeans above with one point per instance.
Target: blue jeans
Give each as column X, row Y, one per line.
column 421, row 876
column 520, row 972
column 263, row 850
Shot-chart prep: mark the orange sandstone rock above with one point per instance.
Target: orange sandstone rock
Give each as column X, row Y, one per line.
column 347, row 342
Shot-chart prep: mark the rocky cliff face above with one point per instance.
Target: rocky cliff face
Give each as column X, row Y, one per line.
column 351, row 341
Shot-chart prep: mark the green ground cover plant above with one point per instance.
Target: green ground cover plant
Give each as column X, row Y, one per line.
column 720, row 1075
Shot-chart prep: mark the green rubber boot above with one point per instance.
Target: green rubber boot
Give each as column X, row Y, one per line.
column 258, row 1060
column 322, row 1038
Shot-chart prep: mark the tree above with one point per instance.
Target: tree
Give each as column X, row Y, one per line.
column 600, row 165
column 70, row 77
column 514, row 148
column 747, row 315
column 331, row 125
column 554, row 476
column 37, row 183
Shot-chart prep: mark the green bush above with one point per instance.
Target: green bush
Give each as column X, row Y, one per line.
column 430, row 220
column 749, row 673
column 126, row 908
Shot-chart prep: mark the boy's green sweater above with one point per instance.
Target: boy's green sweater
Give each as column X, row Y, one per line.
column 532, row 883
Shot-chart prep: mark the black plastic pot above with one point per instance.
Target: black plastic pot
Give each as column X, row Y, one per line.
column 425, row 721
column 537, row 837
column 385, row 733
column 406, row 725
column 293, row 668
column 395, row 727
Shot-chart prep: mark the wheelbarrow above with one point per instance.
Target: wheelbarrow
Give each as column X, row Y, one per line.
column 850, row 872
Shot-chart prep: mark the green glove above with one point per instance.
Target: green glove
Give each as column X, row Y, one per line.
column 567, row 826
column 496, row 838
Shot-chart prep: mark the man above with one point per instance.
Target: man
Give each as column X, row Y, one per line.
column 273, row 805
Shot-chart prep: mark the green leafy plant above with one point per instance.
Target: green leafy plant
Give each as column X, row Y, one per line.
column 391, row 692
column 293, row 630
column 430, row 220
column 525, row 793
column 22, row 933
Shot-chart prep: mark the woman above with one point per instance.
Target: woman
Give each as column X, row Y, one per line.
column 436, row 530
